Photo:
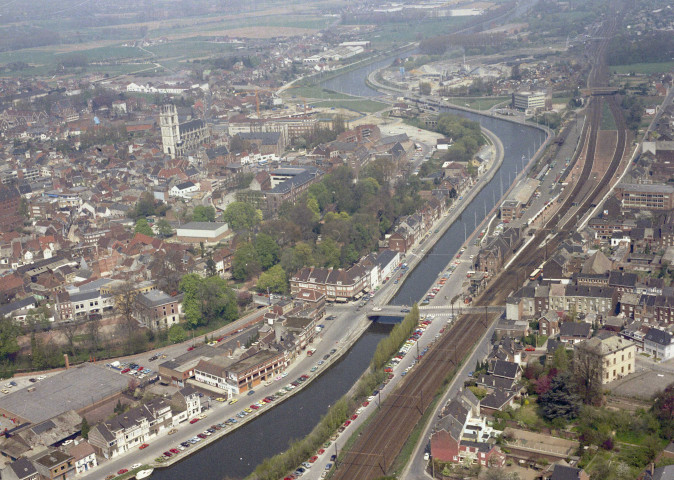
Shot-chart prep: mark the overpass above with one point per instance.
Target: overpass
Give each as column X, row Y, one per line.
column 441, row 310
column 599, row 91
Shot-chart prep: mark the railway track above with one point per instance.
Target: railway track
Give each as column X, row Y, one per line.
column 374, row 452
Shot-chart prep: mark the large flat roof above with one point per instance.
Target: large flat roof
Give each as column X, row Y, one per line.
column 72, row 389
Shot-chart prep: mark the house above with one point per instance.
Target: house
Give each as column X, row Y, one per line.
column 187, row 404
column 497, row 400
column 563, row 472
column 503, row 369
column 548, row 324
column 572, row 332
column 660, row 473
column 183, row 190
column 512, row 328
column 131, row 429
column 55, row 465
column 157, row 310
column 84, row 455
column 20, row 469
column 461, row 435
column 659, row 344
column 614, row 357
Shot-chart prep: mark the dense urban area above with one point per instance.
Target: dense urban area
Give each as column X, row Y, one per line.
column 352, row 240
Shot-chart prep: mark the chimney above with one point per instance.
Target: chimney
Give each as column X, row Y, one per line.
column 238, row 344
column 65, row 356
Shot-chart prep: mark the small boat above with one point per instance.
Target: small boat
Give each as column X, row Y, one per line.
column 144, row 473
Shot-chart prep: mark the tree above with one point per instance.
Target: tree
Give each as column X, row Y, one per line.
column 9, row 332
column 267, row 250
column 245, row 264
column 207, row 299
column 202, row 213
column 560, row 401
column 143, row 227
column 560, row 359
column 330, row 252
column 177, row 334
column 69, row 329
column 93, row 328
column 240, row 216
column 164, row 228
column 663, row 408
column 211, row 269
column 273, row 279
column 84, row 428
column 588, row 370
column 125, row 306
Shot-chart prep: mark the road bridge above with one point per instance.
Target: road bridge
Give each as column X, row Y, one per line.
column 393, row 310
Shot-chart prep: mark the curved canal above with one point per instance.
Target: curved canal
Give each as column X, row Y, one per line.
column 237, row 454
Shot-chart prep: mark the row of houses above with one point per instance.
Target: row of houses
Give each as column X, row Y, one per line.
column 234, row 366
column 342, row 285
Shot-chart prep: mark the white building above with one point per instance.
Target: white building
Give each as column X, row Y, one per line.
column 529, row 102
column 659, row 344
column 183, row 190
column 207, row 232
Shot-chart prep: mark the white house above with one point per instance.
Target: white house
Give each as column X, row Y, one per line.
column 129, row 430
column 387, row 261
column 190, row 396
column 659, row 344
column 183, row 190
column 84, row 455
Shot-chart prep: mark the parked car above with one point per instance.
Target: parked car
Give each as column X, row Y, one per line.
column 143, row 446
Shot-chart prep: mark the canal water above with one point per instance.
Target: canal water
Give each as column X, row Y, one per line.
column 236, row 455
column 519, row 144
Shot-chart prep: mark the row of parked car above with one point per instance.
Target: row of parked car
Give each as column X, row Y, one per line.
column 131, row 368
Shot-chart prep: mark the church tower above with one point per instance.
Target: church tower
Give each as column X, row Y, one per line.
column 170, row 130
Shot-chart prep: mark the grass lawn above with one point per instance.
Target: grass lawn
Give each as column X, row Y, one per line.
column 558, row 100
column 645, row 68
column 528, row 415
column 478, row 103
column 607, row 120
column 315, row 92
column 357, row 105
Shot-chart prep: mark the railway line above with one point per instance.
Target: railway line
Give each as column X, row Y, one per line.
column 375, row 450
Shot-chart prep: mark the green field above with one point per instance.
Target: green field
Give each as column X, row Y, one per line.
column 607, row 120
column 315, row 92
column 645, row 68
column 357, row 105
column 482, row 103
column 402, row 33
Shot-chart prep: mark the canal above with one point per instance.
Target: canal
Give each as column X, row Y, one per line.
column 519, row 144
column 237, row 454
